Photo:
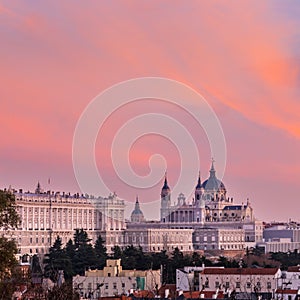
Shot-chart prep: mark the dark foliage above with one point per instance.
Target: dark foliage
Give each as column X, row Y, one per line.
column 63, row 292
column 287, row 259
column 8, row 248
column 56, row 260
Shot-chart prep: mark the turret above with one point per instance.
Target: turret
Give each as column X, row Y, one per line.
column 137, row 215
column 38, row 189
column 198, row 190
column 165, row 201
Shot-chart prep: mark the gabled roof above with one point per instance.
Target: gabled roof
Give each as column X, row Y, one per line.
column 287, row 292
column 294, row 269
column 240, row 271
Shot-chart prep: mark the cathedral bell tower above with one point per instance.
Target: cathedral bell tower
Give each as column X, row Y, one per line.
column 165, row 201
column 198, row 192
column 199, row 212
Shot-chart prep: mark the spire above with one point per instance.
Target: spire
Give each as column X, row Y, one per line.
column 199, row 184
column 38, row 189
column 137, row 204
column 165, row 187
column 137, row 215
column 212, row 170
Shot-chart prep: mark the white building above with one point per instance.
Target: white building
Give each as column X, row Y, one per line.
column 45, row 215
column 260, row 281
column 281, row 238
column 287, row 294
column 187, row 279
column 219, row 239
column 290, row 279
column 113, row 280
column 156, row 239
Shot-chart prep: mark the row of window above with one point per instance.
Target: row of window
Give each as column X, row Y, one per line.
column 65, row 211
column 55, row 200
column 114, row 285
column 61, row 225
column 205, row 238
column 36, row 250
column 231, row 246
column 230, row 238
column 42, row 240
column 238, row 284
column 169, row 248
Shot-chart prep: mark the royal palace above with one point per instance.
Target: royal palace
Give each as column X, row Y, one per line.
column 209, row 221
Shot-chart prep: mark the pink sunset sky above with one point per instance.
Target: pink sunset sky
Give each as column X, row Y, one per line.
column 242, row 56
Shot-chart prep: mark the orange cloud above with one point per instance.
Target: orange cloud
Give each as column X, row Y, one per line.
column 55, row 58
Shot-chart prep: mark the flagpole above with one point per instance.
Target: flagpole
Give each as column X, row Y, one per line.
column 50, row 216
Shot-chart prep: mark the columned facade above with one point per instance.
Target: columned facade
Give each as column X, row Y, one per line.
column 208, row 221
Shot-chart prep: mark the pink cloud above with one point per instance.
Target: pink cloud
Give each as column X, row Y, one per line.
column 56, row 58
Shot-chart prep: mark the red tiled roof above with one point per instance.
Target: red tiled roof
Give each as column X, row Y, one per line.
column 294, row 269
column 144, row 294
column 170, row 287
column 207, row 294
column 287, row 292
column 240, row 271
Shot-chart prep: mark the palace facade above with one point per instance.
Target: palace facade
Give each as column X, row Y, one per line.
column 209, row 221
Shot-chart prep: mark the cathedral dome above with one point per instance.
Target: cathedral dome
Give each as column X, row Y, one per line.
column 137, row 215
column 213, row 183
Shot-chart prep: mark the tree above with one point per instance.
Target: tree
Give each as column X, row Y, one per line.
column 36, row 270
column 65, row 291
column 11, row 284
column 100, row 252
column 57, row 260
column 8, row 250
column 177, row 261
column 135, row 258
column 84, row 253
column 70, row 249
column 117, row 252
column 8, row 219
column 80, row 238
column 161, row 260
column 227, row 263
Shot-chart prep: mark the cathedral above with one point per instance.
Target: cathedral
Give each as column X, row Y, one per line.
column 210, row 204
column 208, row 221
